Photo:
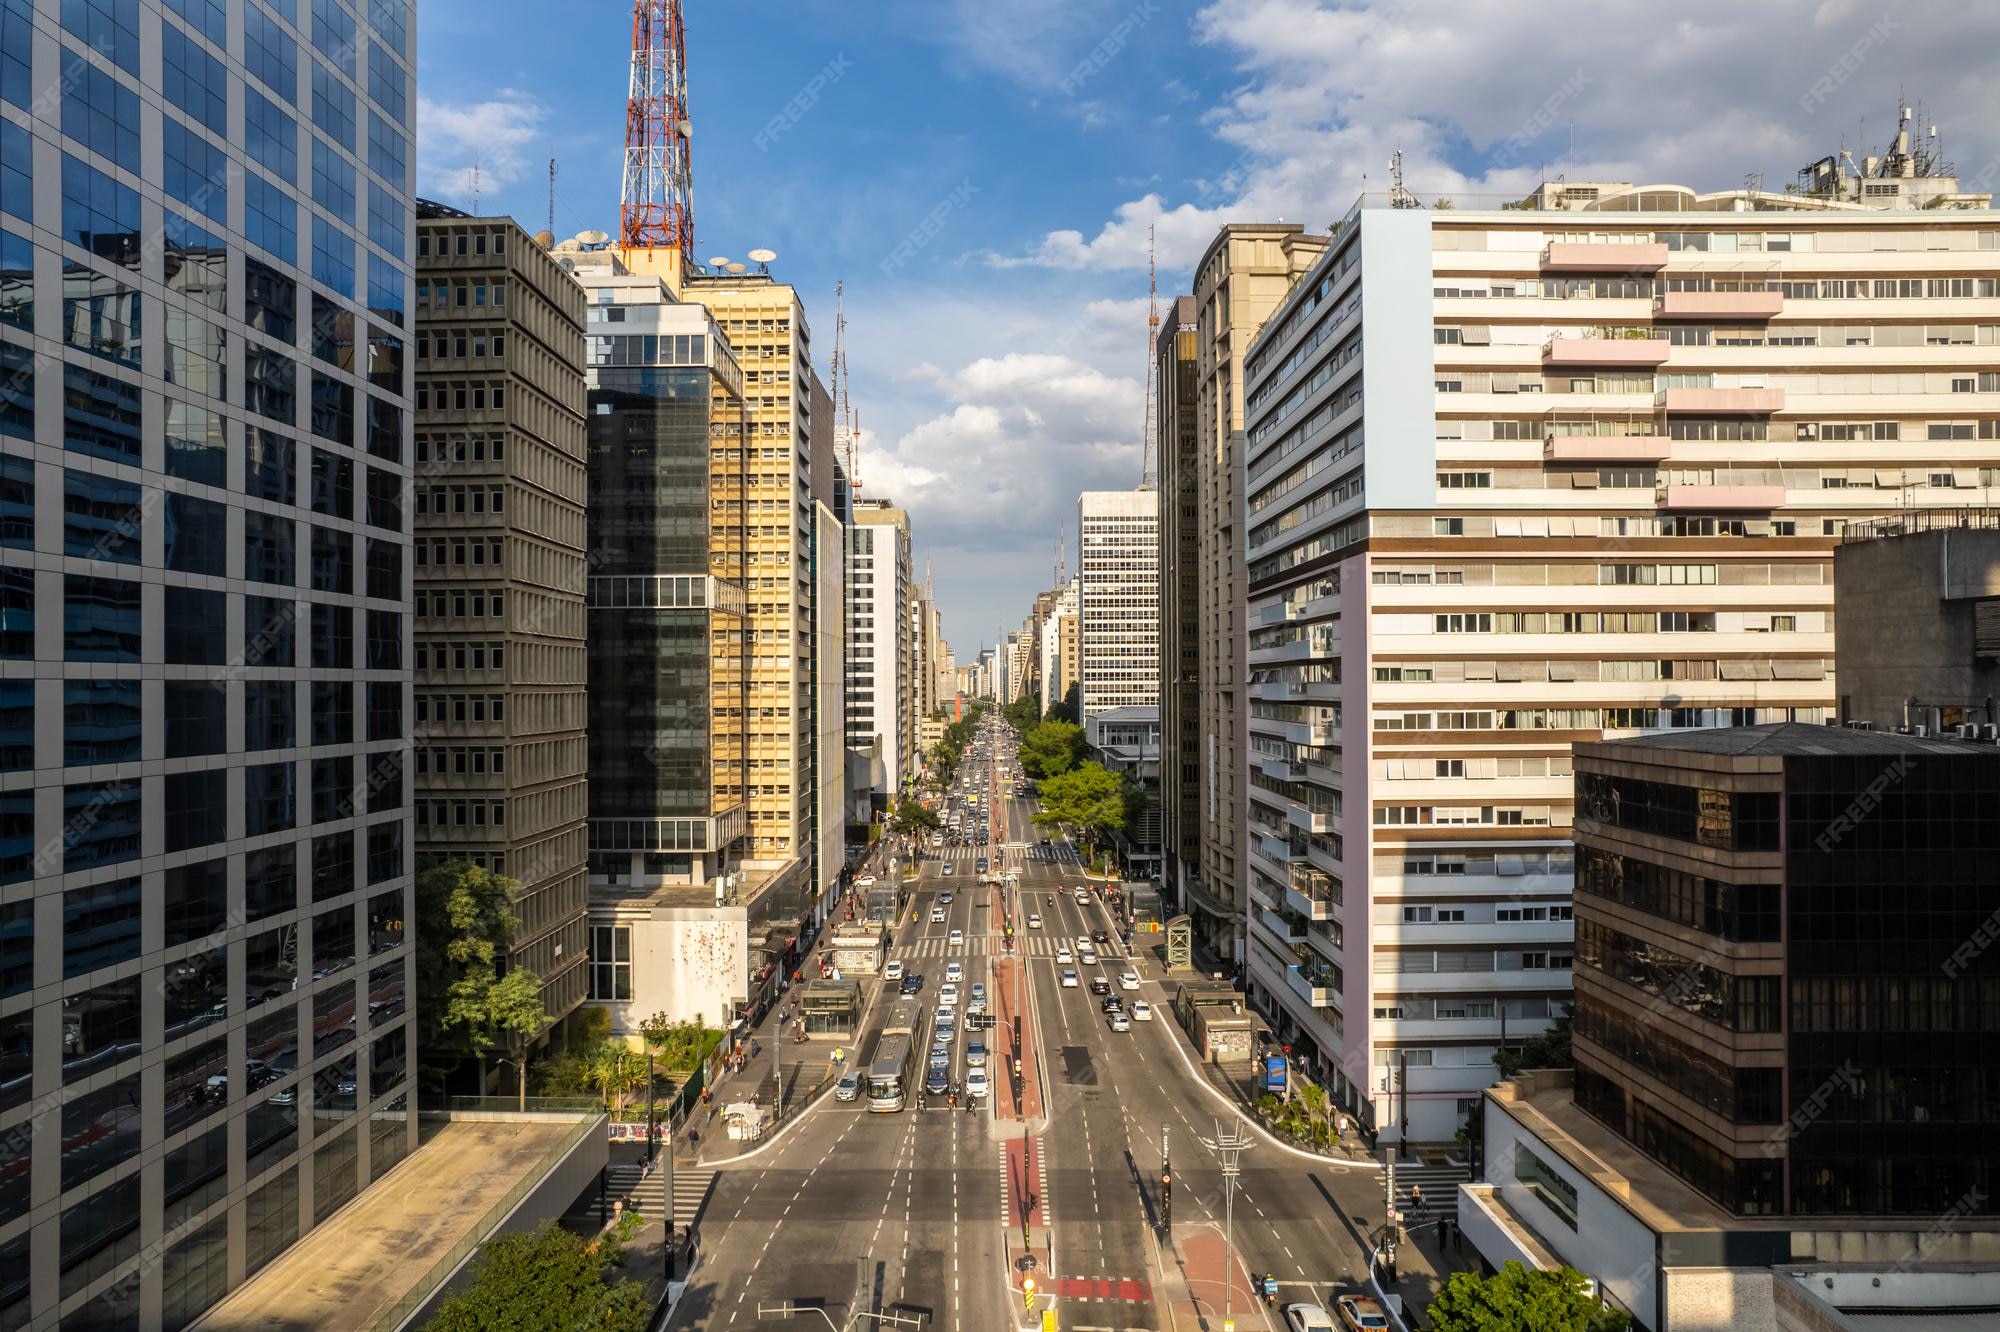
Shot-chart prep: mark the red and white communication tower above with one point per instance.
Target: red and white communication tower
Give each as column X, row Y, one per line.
column 656, row 202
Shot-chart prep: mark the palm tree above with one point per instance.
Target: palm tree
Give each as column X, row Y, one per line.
column 615, row 1070
column 1314, row 1099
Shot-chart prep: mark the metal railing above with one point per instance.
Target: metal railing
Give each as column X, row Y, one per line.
column 1921, row 520
column 441, row 1270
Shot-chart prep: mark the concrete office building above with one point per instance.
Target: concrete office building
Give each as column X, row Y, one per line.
column 1247, row 270
column 1118, row 599
column 881, row 718
column 1177, row 444
column 1537, row 475
column 827, row 845
column 205, row 1030
column 1917, row 597
column 1058, row 646
column 499, row 516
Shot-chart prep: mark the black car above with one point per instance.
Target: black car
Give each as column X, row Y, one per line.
column 1099, row 985
column 1112, row 1003
column 1100, row 936
column 912, row 984
column 936, row 1081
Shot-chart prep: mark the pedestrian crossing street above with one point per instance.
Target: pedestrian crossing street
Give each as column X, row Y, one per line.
column 648, row 1193
column 1439, row 1183
column 1040, row 944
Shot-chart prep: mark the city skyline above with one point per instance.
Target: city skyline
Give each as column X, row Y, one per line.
column 1007, row 345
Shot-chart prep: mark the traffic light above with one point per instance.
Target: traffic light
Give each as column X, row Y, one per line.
column 1166, row 1199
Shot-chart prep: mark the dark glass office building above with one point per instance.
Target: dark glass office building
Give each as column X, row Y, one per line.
column 667, row 652
column 1788, row 965
column 205, row 221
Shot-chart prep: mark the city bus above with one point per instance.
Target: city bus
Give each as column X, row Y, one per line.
column 895, row 1064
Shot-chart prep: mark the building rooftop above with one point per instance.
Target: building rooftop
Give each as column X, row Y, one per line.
column 381, row 1249
column 751, row 884
column 1788, row 740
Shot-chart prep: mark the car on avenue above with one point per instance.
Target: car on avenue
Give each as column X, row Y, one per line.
column 1129, row 981
column 1119, row 1022
column 1307, row 1318
column 893, row 972
column 1069, row 980
column 848, row 1087
column 1142, row 1011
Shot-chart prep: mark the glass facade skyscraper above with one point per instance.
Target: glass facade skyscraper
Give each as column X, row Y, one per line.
column 205, row 222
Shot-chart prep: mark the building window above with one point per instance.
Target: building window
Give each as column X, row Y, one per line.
column 611, row 962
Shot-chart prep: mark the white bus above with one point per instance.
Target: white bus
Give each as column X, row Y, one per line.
column 894, row 1066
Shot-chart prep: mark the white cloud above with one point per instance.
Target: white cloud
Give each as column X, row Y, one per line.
column 496, row 134
column 1482, row 103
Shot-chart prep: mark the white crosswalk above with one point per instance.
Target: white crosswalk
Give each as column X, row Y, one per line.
column 1038, row 944
column 648, row 1193
column 993, row 852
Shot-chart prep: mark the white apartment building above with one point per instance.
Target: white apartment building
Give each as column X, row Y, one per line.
column 1058, row 627
column 880, row 658
column 1118, row 598
column 1526, row 477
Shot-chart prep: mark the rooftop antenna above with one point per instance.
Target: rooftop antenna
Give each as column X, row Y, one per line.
column 1149, row 474
column 475, row 187
column 846, row 425
column 1062, row 552
column 552, row 195
column 1398, row 196
column 656, row 195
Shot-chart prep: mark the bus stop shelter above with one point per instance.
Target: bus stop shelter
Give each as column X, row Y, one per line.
column 831, row 1007
column 857, row 948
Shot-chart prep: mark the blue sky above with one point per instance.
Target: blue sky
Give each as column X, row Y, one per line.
column 998, row 365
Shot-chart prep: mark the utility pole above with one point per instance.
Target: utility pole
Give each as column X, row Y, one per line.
column 1230, row 1148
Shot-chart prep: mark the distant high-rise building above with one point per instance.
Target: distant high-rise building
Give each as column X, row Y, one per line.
column 1058, row 646
column 1178, row 445
column 498, row 508
column 206, row 1028
column 881, row 719
column 1118, row 598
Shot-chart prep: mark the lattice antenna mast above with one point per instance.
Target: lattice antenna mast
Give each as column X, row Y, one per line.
column 552, row 196
column 656, row 200
column 846, row 423
column 1150, row 473
column 1062, row 555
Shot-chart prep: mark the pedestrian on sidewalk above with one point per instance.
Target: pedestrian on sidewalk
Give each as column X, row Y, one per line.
column 1444, row 1232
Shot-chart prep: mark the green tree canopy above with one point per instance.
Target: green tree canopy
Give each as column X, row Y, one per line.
column 465, row 922
column 912, row 815
column 1051, row 749
column 1518, row 1300
column 548, row 1279
column 1069, row 707
column 1023, row 713
column 1545, row 1049
column 1089, row 798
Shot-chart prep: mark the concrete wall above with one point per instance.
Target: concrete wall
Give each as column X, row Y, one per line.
column 1904, row 606
column 686, row 962
column 1608, row 1242
column 1719, row 1299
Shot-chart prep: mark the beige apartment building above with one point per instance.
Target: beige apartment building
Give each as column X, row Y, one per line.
column 766, row 325
column 1246, row 272
column 1567, row 470
column 498, row 514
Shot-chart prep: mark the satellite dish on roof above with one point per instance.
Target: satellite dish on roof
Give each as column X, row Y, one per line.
column 718, row 261
column 592, row 237
column 734, row 268
column 762, row 256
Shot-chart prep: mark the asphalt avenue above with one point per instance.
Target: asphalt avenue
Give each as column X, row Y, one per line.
column 919, row 1212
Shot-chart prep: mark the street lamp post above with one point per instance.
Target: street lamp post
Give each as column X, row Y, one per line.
column 1230, row 1148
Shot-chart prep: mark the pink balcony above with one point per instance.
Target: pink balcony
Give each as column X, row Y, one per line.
column 1725, row 498
column 1718, row 304
column 1604, row 351
column 1604, row 257
column 1606, row 448
column 1723, row 402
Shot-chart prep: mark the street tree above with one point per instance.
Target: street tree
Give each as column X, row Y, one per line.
column 1051, row 749
column 465, row 921
column 1544, row 1049
column 1090, row 799
column 1023, row 713
column 913, row 816
column 517, row 1018
column 549, row 1278
column 1515, row 1299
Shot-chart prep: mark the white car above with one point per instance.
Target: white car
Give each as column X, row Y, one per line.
column 1087, row 954
column 954, row 972
column 937, row 915
column 1069, row 980
column 1142, row 1011
column 1119, row 1022
column 957, row 939
column 979, row 994
column 1034, row 920
column 976, row 1085
column 1307, row 1318
column 1064, row 955
column 865, row 881
column 948, row 996
column 1360, row 1313
column 893, row 972
column 1129, row 981
column 1083, row 941
column 1082, row 897
column 947, row 868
